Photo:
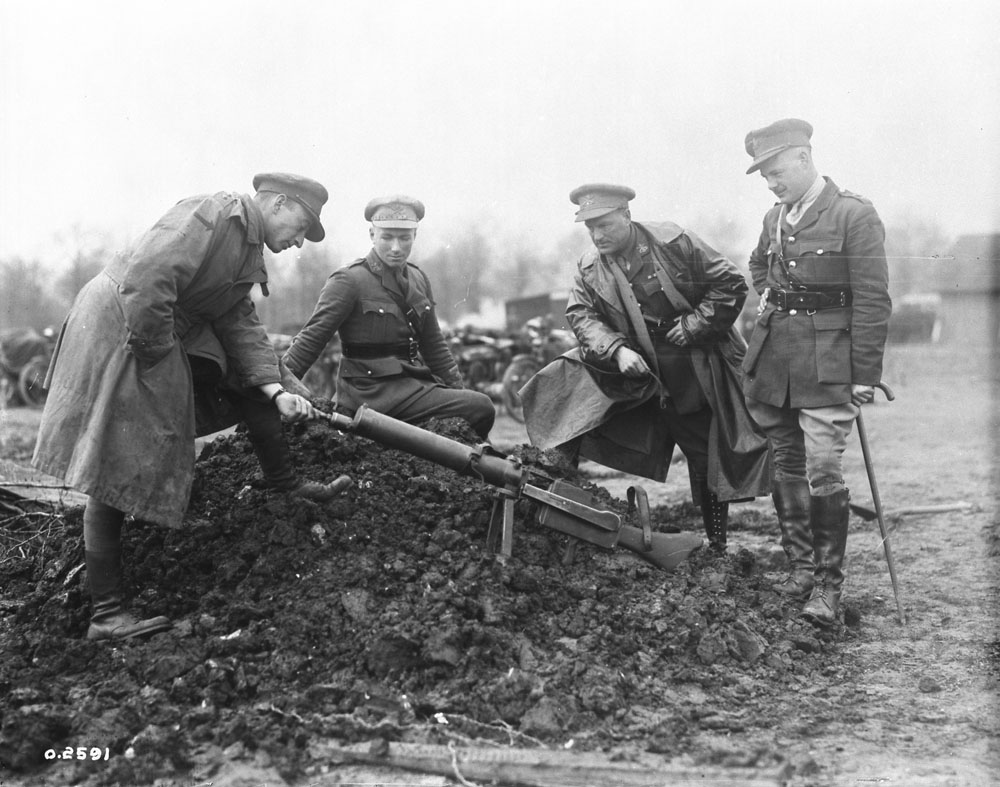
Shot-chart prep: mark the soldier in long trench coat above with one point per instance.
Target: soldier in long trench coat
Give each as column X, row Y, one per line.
column 653, row 308
column 170, row 317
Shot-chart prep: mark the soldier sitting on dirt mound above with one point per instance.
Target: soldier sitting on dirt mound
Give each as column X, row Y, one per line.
column 168, row 323
column 658, row 364
column 816, row 350
column 395, row 358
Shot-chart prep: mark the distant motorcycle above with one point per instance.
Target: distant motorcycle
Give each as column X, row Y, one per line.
column 481, row 358
column 24, row 361
column 544, row 344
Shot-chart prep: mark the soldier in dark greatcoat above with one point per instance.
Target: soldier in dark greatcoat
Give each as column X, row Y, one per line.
column 395, row 358
column 653, row 309
column 816, row 350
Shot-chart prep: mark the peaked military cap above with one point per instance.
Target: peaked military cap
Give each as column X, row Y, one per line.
column 771, row 140
column 396, row 212
column 596, row 199
column 310, row 194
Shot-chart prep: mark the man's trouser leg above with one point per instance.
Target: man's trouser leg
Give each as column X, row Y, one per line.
column 436, row 401
column 102, row 528
column 714, row 517
column 790, row 493
column 826, row 430
column 690, row 432
column 267, row 436
column 792, row 504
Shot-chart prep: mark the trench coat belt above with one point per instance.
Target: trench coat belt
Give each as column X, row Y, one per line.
column 785, row 300
column 406, row 351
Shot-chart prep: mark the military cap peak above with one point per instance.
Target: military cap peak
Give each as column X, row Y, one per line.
column 763, row 143
column 596, row 199
column 394, row 212
column 310, row 194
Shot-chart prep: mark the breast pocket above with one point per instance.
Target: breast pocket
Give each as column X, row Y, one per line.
column 833, row 345
column 820, row 264
column 383, row 322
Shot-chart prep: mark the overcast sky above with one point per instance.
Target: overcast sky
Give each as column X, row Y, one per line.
column 490, row 112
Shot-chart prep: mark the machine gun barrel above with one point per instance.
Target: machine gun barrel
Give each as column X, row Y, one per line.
column 413, row 440
column 562, row 507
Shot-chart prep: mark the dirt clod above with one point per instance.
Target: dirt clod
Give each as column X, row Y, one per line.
column 380, row 616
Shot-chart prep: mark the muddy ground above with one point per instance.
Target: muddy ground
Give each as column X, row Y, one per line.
column 310, row 638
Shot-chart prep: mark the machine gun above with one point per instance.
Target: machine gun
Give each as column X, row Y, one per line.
column 561, row 506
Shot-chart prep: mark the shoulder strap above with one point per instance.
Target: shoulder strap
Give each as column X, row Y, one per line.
column 677, row 300
column 409, row 314
column 635, row 315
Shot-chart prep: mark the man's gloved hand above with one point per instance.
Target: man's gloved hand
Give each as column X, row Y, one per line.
column 679, row 333
column 630, row 363
column 291, row 383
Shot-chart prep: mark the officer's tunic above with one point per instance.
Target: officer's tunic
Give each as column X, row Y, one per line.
column 119, row 420
column 806, row 359
column 363, row 302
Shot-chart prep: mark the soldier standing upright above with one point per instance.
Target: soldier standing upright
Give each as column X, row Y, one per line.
column 816, row 350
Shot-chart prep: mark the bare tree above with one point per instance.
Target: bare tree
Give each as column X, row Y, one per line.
column 293, row 289
column 458, row 274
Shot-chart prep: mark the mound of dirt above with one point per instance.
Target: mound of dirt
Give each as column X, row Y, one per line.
column 380, row 616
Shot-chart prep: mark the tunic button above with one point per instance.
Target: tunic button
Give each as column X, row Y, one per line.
column 819, row 251
column 381, row 311
column 791, row 239
column 793, row 311
column 791, row 264
column 369, row 371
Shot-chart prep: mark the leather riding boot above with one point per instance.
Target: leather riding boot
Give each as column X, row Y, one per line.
column 109, row 619
column 792, row 504
column 715, row 516
column 830, row 516
column 266, row 435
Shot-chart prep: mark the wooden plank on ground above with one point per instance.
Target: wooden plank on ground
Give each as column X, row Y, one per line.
column 547, row 767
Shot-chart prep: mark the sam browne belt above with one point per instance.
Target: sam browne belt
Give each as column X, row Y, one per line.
column 406, row 351
column 787, row 300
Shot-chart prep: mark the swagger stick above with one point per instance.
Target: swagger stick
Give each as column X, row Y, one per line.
column 869, row 466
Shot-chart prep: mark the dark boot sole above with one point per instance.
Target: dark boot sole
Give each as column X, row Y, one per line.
column 145, row 632
column 818, row 621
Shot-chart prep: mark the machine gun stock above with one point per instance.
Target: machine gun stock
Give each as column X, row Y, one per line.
column 562, row 506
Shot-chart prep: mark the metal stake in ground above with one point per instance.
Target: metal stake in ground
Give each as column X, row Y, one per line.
column 870, row 467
